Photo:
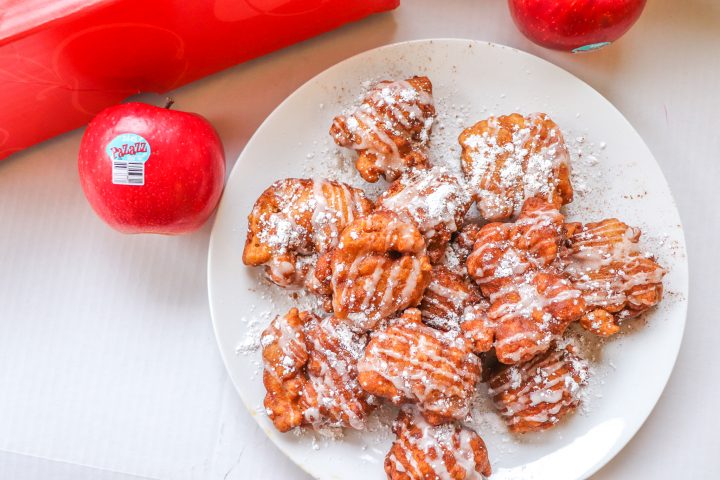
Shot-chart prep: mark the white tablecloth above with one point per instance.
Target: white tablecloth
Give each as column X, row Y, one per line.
column 108, row 364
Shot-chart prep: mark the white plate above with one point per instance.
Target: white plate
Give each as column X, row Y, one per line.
column 614, row 173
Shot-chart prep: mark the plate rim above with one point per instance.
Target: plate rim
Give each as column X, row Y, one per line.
column 639, row 420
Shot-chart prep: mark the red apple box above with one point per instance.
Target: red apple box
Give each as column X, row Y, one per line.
column 62, row 61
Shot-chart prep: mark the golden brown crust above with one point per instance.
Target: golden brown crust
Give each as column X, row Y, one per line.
column 378, row 268
column 446, row 298
column 493, row 298
column 296, row 218
column 511, row 158
column 310, row 373
column 600, row 322
column 422, row 451
column 433, row 200
column 332, row 389
column 477, row 327
column 536, row 395
column 390, row 129
column 284, row 356
column 531, row 314
column 319, row 281
column 279, row 231
column 616, row 278
column 531, row 302
column 504, row 251
column 459, row 248
column 465, row 240
column 407, row 361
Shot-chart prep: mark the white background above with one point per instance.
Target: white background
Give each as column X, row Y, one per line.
column 108, row 364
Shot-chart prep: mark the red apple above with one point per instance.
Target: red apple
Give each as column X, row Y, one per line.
column 146, row 169
column 575, row 25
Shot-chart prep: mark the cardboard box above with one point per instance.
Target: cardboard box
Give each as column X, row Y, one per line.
column 62, row 61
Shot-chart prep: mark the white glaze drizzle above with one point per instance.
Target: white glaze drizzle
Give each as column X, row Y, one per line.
column 435, row 443
column 336, row 348
column 379, row 298
column 411, row 376
column 389, row 107
column 605, row 262
column 429, row 199
column 290, row 341
column 330, row 206
column 539, row 383
column 444, row 302
column 523, row 174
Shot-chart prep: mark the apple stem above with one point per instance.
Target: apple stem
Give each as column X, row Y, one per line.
column 169, row 102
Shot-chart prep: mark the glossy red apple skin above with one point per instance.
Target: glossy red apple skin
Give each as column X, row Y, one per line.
column 184, row 174
column 575, row 25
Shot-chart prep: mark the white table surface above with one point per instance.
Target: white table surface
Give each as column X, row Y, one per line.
column 108, row 364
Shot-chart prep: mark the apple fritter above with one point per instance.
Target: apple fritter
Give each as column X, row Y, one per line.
column 511, row 158
column 390, row 129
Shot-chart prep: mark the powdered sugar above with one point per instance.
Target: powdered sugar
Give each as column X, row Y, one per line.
column 509, row 159
column 251, row 342
column 391, row 123
column 324, row 160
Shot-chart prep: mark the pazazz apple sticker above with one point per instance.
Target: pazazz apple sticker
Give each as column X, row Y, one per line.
column 147, row 169
column 575, row 25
